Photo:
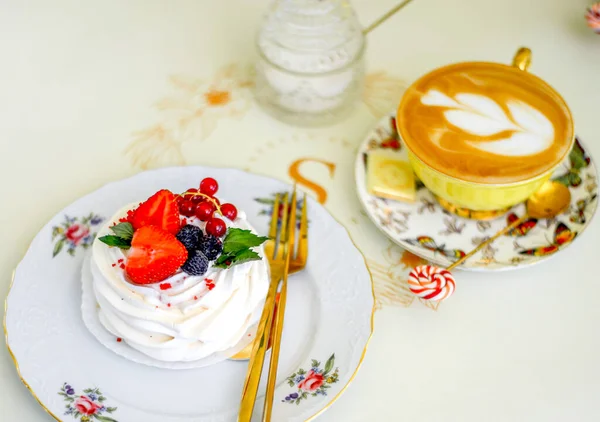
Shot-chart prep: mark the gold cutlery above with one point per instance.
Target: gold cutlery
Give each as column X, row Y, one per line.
column 279, row 249
column 552, row 199
column 298, row 262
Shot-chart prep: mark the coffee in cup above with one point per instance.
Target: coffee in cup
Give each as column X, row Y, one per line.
column 483, row 124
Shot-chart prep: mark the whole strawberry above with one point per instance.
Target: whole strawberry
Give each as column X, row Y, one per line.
column 159, row 210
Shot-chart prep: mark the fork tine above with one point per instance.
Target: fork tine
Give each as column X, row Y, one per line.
column 279, row 314
column 271, row 244
column 282, row 231
column 291, row 238
column 274, row 218
column 302, row 253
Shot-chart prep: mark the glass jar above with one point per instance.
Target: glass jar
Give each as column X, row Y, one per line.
column 310, row 69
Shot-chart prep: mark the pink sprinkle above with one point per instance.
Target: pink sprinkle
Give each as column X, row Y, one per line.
column 165, row 286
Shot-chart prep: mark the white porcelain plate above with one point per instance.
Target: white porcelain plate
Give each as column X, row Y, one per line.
column 328, row 320
column 427, row 230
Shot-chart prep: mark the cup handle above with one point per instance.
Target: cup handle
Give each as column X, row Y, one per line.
column 522, row 59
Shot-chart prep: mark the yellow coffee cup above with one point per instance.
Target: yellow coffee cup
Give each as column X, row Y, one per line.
column 484, row 136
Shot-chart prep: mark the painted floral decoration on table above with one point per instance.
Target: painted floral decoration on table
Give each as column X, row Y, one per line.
column 191, row 113
column 86, row 407
column 313, row 382
column 390, row 278
column 382, row 91
column 593, row 17
column 74, row 232
column 193, row 109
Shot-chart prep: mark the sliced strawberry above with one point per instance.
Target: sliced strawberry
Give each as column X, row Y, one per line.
column 159, row 210
column 155, row 254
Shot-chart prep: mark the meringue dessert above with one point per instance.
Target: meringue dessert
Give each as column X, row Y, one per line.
column 179, row 277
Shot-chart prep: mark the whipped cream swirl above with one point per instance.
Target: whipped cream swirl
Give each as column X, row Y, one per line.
column 184, row 317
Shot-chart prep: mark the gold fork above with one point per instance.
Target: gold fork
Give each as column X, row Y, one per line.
column 296, row 256
column 297, row 262
column 279, row 254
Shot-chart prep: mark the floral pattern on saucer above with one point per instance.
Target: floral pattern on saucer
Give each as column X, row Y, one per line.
column 87, row 406
column 427, row 230
column 74, row 232
column 313, row 382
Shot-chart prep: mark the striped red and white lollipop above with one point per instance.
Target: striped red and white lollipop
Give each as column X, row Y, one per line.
column 593, row 17
column 431, row 283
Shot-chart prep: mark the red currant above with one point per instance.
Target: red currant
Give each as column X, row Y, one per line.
column 216, row 227
column 187, row 208
column 229, row 211
column 192, row 195
column 205, row 210
column 209, row 186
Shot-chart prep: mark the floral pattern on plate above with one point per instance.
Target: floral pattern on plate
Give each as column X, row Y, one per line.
column 74, row 232
column 43, row 323
column 87, row 406
column 269, row 202
column 427, row 230
column 313, row 382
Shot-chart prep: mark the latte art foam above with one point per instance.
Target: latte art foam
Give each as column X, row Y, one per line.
column 485, row 123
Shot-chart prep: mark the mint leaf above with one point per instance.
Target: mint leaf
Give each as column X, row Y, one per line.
column 122, row 238
column 237, row 248
column 223, row 260
column 123, row 230
column 227, row 260
column 245, row 256
column 239, row 239
column 117, row 241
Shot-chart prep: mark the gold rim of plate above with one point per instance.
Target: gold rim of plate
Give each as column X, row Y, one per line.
column 310, row 418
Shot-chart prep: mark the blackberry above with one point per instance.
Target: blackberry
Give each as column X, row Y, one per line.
column 196, row 264
column 211, row 247
column 190, row 236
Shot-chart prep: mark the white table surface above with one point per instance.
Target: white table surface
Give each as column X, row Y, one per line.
column 78, row 78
